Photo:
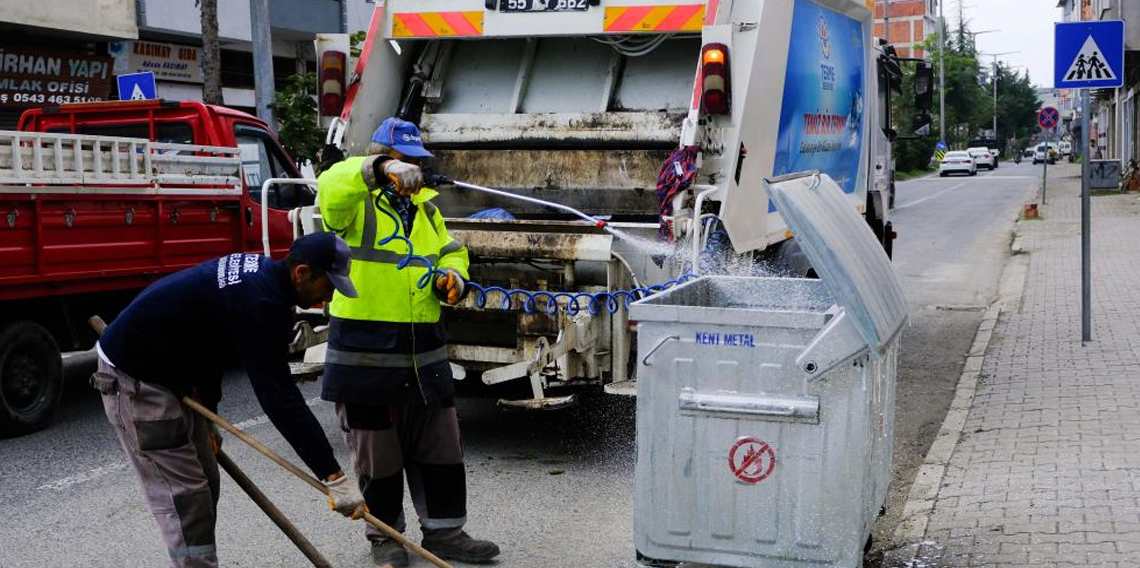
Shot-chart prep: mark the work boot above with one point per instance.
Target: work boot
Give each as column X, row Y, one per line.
column 387, row 553
column 460, row 547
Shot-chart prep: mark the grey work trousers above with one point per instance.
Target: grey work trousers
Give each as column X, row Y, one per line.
column 169, row 447
column 416, row 439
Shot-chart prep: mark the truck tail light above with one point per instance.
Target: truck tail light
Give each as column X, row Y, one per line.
column 716, row 90
column 333, row 64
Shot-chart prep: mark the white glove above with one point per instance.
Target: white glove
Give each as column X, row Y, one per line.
column 345, row 498
column 409, row 178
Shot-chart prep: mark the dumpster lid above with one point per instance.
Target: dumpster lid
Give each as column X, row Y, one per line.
column 844, row 252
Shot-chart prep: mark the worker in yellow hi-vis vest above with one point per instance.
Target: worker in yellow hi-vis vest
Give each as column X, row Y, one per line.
column 386, row 367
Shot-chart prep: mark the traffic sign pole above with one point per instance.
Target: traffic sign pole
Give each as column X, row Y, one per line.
column 1086, row 225
column 1044, row 170
column 1047, row 118
column 1087, row 55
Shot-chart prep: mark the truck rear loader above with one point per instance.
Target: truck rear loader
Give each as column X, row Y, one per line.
column 583, row 102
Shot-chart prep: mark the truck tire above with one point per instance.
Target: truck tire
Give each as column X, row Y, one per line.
column 31, row 377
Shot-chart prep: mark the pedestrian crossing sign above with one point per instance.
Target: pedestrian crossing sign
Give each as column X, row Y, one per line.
column 137, row 86
column 1089, row 55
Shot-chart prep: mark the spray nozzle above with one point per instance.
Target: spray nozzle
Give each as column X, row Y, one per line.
column 433, row 179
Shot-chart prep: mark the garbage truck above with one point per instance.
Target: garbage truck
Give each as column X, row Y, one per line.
column 660, row 117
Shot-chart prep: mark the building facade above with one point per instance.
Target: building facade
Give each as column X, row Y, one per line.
column 54, row 51
column 1114, row 121
column 911, row 21
column 58, row 51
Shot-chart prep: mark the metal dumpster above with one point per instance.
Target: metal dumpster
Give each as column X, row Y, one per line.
column 765, row 406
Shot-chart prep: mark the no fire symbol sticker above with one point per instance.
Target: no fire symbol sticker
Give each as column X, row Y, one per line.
column 751, row 460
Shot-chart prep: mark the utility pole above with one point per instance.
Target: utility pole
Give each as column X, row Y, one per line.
column 941, row 73
column 262, row 62
column 887, row 21
column 995, row 80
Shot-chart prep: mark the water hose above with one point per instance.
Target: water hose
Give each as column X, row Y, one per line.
column 435, row 180
column 551, row 304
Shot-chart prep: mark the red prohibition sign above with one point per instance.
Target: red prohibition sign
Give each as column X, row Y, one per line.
column 751, row 460
column 1048, row 117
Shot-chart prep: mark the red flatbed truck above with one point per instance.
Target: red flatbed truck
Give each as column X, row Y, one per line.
column 97, row 201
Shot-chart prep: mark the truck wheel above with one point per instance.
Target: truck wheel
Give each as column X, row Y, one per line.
column 31, row 377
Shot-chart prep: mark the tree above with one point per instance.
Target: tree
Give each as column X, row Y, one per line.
column 211, row 53
column 969, row 102
column 296, row 110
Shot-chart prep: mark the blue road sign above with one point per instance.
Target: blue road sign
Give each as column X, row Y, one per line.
column 1088, row 55
column 137, row 87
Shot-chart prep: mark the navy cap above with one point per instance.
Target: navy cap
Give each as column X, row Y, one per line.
column 329, row 254
column 401, row 136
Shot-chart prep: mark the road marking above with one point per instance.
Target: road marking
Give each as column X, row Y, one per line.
column 96, row 473
column 928, row 197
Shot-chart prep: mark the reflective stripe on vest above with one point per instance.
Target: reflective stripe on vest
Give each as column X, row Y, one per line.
column 357, row 359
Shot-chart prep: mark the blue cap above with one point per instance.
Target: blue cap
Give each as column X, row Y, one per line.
column 402, row 136
column 329, row 254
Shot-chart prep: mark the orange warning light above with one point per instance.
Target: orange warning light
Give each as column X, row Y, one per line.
column 713, row 55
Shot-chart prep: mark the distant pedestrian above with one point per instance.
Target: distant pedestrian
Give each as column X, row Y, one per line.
column 175, row 340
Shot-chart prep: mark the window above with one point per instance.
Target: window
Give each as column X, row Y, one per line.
column 262, row 159
column 168, row 132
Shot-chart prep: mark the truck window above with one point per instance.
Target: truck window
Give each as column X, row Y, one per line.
column 261, row 159
column 166, row 132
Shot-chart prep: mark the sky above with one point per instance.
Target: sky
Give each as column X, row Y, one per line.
column 1026, row 26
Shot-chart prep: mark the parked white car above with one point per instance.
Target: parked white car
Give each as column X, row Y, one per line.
column 958, row 162
column 1045, row 153
column 1066, row 148
column 983, row 157
column 996, row 153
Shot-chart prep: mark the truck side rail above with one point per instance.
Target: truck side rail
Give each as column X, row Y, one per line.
column 45, row 159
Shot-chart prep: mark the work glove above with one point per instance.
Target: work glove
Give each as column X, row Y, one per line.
column 409, row 178
column 215, row 439
column 450, row 288
column 345, row 497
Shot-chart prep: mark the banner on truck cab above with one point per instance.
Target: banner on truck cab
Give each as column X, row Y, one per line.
column 33, row 77
column 821, row 119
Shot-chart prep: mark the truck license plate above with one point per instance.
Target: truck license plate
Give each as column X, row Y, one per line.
column 544, row 5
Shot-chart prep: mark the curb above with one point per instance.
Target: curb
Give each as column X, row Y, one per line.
column 928, row 480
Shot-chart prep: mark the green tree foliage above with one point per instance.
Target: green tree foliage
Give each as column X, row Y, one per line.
column 296, row 111
column 969, row 102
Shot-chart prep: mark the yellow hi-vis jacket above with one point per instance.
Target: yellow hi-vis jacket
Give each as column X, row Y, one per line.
column 349, row 196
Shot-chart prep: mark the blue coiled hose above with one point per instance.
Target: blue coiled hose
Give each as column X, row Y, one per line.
column 612, row 301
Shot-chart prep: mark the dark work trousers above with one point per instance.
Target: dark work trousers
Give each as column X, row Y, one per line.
column 416, row 439
column 169, row 447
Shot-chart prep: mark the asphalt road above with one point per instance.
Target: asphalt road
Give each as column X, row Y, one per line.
column 554, row 489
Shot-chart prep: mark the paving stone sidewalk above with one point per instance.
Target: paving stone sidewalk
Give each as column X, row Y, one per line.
column 1043, row 465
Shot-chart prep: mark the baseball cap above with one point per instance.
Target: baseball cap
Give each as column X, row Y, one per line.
column 401, row 136
column 329, row 254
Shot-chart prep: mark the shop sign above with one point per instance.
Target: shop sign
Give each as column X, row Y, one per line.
column 168, row 61
column 31, row 77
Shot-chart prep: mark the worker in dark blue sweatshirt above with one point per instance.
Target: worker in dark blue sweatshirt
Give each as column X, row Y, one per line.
column 176, row 339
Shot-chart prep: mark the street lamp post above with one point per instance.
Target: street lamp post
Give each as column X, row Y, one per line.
column 995, row 80
column 941, row 72
column 887, row 21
